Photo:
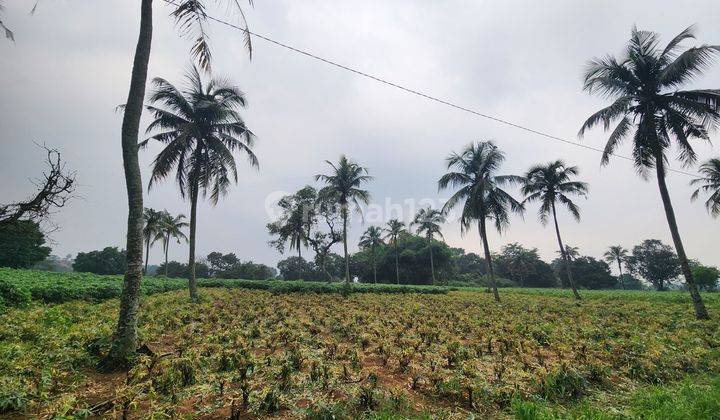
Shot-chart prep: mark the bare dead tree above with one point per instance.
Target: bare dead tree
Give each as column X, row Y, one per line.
column 54, row 190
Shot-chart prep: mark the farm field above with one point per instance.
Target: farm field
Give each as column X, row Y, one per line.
column 248, row 353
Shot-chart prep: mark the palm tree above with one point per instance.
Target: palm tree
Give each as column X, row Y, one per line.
column 372, row 238
column 343, row 188
column 645, row 86
column 171, row 227
column 152, row 219
column 617, row 253
column 296, row 220
column 428, row 222
column 190, row 17
column 393, row 230
column 709, row 183
column 549, row 184
column 201, row 128
column 572, row 252
column 479, row 191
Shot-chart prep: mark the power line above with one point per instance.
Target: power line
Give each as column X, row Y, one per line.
column 421, row 94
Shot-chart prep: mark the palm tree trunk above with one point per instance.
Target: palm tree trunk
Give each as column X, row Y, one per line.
column 488, row 260
column 374, row 265
column 192, row 282
column 397, row 262
column 147, row 255
column 566, row 260
column 622, row 282
column 125, row 343
column 432, row 263
column 700, row 311
column 167, row 247
column 347, row 259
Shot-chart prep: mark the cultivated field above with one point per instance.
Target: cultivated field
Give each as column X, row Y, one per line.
column 241, row 353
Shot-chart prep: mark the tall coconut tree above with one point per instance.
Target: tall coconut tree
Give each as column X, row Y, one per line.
column 152, row 220
column 192, row 20
column 617, row 254
column 427, row 222
column 650, row 107
column 201, row 129
column 550, row 185
column 479, row 190
column 393, row 230
column 371, row 239
column 343, row 186
column 171, row 227
column 709, row 182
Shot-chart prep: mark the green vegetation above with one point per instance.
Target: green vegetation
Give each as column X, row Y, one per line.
column 252, row 353
column 20, row 287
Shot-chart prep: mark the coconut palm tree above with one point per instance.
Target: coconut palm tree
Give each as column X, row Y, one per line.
column 572, row 252
column 200, row 128
column 551, row 184
column 709, row 183
column 393, row 230
column 372, row 238
column 171, row 227
column 152, row 220
column 479, row 190
column 343, row 188
column 296, row 220
column 650, row 107
column 192, row 20
column 618, row 254
column 428, row 223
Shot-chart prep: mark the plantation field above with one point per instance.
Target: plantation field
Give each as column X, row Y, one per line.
column 248, row 353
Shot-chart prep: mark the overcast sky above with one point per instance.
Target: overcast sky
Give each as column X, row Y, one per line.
column 517, row 60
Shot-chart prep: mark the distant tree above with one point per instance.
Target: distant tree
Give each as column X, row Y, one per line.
column 428, row 223
column 645, row 84
column 479, row 191
column 201, row 127
column 372, row 239
column 171, row 227
column 219, row 263
column 414, row 267
column 295, row 222
column 519, row 261
column 22, row 244
column 394, row 229
column 709, row 183
column 590, row 273
column 551, row 184
column 324, row 233
column 705, row 276
column 655, row 262
column 469, row 263
column 343, row 187
column 110, row 260
column 176, row 269
column 617, row 254
column 631, row 283
column 296, row 268
column 151, row 228
column 55, row 263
